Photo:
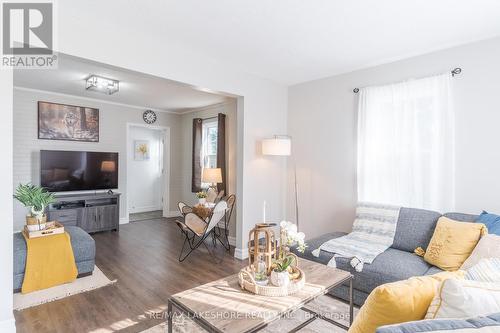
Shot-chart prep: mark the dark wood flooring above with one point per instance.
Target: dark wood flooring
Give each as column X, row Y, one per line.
column 142, row 256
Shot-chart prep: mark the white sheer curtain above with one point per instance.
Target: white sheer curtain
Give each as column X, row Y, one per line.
column 406, row 144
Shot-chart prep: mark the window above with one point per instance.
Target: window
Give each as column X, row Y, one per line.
column 209, row 146
column 406, row 144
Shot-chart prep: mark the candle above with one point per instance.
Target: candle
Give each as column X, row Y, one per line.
column 264, row 212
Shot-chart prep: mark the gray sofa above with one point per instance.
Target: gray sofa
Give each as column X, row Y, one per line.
column 490, row 323
column 83, row 250
column 415, row 228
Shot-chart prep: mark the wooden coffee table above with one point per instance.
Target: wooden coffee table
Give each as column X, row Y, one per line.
column 222, row 306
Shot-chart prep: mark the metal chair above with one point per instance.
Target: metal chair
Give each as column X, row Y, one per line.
column 211, row 195
column 195, row 230
column 184, row 208
column 219, row 197
column 231, row 200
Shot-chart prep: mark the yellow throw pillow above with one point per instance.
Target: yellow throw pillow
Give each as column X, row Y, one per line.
column 453, row 242
column 399, row 302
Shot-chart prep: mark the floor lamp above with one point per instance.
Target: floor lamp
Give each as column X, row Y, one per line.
column 281, row 145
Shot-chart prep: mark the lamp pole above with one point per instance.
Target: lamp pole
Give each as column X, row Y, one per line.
column 296, row 194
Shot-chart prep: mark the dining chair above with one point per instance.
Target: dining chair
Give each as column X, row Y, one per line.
column 219, row 197
column 231, row 200
column 195, row 230
column 184, row 208
column 211, row 195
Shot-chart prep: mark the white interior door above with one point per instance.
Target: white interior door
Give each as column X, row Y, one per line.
column 145, row 169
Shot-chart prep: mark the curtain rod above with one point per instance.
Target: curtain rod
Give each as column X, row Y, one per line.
column 214, row 117
column 454, row 72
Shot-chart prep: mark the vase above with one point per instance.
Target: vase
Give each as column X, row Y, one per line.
column 33, row 225
column 280, row 279
column 202, row 201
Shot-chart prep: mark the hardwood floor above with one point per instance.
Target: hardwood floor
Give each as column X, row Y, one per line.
column 142, row 256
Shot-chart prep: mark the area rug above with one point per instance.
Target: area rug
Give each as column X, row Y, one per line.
column 87, row 283
column 327, row 306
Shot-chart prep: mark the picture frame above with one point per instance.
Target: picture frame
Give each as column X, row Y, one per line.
column 67, row 122
column 141, row 150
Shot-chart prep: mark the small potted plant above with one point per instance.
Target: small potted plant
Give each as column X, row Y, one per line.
column 282, row 271
column 36, row 199
column 202, row 197
column 280, row 276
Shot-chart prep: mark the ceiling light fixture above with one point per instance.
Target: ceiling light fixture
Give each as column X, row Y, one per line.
column 102, row 84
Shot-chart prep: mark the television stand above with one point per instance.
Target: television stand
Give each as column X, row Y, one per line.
column 93, row 212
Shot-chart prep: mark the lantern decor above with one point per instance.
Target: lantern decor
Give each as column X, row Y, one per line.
column 273, row 270
column 262, row 241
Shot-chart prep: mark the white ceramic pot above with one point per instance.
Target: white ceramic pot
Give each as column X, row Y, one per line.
column 280, row 279
column 202, row 201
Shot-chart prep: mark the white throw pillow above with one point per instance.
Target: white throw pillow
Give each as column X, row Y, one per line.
column 487, row 247
column 464, row 298
column 487, row 270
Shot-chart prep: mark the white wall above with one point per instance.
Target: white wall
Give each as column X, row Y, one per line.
column 113, row 137
column 6, row 131
column 144, row 177
column 263, row 108
column 322, row 122
column 229, row 108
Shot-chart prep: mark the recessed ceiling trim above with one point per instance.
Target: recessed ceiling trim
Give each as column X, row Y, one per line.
column 96, row 100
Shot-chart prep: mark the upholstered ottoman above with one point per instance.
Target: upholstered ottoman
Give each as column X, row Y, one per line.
column 83, row 250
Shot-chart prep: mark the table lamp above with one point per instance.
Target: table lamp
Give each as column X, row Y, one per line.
column 212, row 176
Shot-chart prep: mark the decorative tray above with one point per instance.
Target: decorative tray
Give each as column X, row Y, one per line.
column 52, row 228
column 247, row 282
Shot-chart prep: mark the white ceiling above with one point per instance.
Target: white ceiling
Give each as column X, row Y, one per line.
column 135, row 88
column 291, row 41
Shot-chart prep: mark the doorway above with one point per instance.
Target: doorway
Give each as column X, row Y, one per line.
column 147, row 172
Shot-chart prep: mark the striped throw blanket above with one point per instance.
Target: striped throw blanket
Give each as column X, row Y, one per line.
column 372, row 233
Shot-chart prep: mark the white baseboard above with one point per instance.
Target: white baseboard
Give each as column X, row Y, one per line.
column 172, row 214
column 241, row 254
column 144, row 209
column 124, row 220
column 8, row 325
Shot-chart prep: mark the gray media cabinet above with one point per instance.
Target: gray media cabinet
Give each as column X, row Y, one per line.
column 91, row 212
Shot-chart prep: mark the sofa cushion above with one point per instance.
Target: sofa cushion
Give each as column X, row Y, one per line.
column 433, row 270
column 453, row 242
column 492, row 222
column 461, row 217
column 459, row 298
column 390, row 266
column 488, row 247
column 397, row 302
column 415, row 228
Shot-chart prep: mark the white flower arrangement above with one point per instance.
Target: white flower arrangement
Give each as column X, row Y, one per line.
column 293, row 237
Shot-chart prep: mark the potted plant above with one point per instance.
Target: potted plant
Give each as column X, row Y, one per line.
column 36, row 199
column 280, row 276
column 282, row 271
column 202, row 197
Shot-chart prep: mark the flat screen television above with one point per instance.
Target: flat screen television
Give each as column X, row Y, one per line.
column 62, row 171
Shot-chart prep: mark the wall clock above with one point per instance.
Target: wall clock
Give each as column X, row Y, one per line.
column 149, row 116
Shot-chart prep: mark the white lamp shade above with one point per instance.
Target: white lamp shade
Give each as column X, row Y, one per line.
column 277, row 146
column 211, row 175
